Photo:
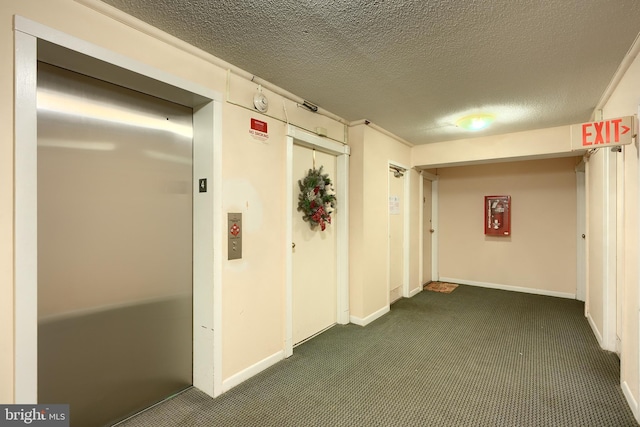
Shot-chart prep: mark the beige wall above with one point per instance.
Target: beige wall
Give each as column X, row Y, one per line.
column 357, row 242
column 371, row 152
column 541, row 143
column 252, row 288
column 253, row 174
column 623, row 102
column 540, row 254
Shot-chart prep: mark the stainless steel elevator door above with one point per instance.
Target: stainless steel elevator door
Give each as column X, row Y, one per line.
column 114, row 247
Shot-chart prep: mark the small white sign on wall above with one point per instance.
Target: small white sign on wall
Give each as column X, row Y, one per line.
column 394, row 205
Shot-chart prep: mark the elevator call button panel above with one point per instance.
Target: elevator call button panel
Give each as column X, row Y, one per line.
column 234, row 234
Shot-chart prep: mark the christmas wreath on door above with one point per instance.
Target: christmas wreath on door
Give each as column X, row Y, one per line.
column 317, row 198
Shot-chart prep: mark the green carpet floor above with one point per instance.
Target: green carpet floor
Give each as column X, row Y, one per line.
column 475, row 357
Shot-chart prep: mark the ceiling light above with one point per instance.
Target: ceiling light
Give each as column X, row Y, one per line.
column 475, row 122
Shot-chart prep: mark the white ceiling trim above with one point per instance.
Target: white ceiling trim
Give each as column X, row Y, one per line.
column 381, row 130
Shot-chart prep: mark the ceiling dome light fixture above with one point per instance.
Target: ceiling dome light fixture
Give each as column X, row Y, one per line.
column 475, row 122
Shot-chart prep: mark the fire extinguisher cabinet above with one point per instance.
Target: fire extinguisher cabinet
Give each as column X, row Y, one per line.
column 497, row 215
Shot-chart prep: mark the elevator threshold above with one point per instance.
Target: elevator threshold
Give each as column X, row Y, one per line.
column 152, row 406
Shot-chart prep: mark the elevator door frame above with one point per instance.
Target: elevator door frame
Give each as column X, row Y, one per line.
column 34, row 42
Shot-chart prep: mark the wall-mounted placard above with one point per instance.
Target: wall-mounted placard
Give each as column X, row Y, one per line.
column 497, row 215
column 394, row 205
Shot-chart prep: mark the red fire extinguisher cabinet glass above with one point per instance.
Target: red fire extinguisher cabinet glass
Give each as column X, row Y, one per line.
column 497, row 215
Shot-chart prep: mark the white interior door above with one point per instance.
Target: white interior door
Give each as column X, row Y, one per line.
column 314, row 255
column 396, row 234
column 427, row 226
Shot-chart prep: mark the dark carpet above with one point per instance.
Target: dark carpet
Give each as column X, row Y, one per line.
column 475, row 357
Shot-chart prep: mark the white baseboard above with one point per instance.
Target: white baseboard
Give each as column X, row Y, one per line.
column 595, row 330
column 509, row 288
column 370, row 318
column 252, row 370
column 415, row 291
column 630, row 400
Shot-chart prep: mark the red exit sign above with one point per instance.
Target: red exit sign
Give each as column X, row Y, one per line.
column 611, row 132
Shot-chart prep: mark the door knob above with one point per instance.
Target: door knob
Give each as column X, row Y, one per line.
column 432, row 230
column 293, row 245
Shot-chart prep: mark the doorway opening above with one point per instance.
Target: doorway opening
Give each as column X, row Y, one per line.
column 429, row 228
column 303, row 244
column 398, row 223
column 396, row 250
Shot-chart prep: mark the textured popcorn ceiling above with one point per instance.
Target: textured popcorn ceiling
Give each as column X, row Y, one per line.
column 413, row 66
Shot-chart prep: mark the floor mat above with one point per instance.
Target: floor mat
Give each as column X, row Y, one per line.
column 444, row 287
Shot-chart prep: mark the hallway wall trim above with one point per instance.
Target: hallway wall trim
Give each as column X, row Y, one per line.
column 415, row 291
column 252, row 370
column 594, row 328
column 509, row 288
column 364, row 321
column 630, row 400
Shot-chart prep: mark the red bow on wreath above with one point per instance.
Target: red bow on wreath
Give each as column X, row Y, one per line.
column 318, row 217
